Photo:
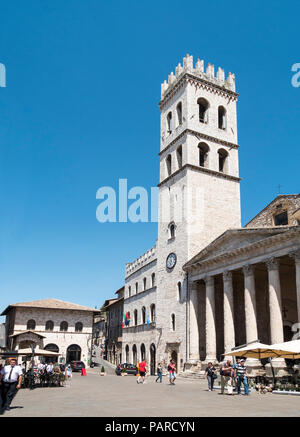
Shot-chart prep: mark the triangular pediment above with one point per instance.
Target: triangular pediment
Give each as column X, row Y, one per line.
column 233, row 239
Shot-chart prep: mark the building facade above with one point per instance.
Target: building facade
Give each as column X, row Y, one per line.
column 53, row 325
column 114, row 317
column 245, row 286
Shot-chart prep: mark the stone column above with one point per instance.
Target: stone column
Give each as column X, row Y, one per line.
column 194, row 330
column 250, row 313
column 250, row 303
column 229, row 335
column 296, row 256
column 211, row 348
column 276, row 325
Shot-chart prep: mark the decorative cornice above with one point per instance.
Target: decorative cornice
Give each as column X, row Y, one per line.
column 228, row 256
column 200, row 136
column 201, row 170
column 198, row 82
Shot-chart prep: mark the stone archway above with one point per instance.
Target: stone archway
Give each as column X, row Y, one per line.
column 143, row 352
column 134, row 355
column 52, row 348
column 152, row 359
column 73, row 353
column 174, row 357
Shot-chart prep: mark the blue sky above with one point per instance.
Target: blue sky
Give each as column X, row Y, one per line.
column 80, row 111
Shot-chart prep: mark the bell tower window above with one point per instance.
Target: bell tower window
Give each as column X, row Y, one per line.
column 222, row 117
column 179, row 113
column 169, row 123
column 203, row 110
column 179, row 156
column 203, row 154
column 223, row 156
column 169, row 164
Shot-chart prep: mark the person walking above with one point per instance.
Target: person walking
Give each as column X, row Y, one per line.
column 172, row 372
column 159, row 372
column 210, row 373
column 241, row 375
column 142, row 371
column 69, row 372
column 226, row 377
column 10, row 380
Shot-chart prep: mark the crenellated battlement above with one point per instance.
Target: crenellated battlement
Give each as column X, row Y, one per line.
column 141, row 261
column 199, row 71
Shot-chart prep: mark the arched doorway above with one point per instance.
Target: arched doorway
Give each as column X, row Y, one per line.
column 134, row 355
column 73, row 353
column 143, row 352
column 127, row 353
column 52, row 348
column 174, row 357
column 152, row 359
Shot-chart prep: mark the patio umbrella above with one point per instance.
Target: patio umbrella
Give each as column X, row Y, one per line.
column 37, row 352
column 288, row 349
column 254, row 350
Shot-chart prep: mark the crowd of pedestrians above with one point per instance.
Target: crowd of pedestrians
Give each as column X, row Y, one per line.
column 231, row 375
column 142, row 372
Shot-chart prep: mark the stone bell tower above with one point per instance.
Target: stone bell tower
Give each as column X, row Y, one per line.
column 199, row 185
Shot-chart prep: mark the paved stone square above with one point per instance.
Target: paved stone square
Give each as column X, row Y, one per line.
column 118, row 396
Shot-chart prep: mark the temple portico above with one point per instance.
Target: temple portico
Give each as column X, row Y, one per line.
column 249, row 290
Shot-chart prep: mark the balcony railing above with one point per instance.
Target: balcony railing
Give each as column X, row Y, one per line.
column 140, row 328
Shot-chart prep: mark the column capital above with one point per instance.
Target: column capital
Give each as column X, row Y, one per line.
column 227, row 275
column 248, row 269
column 296, row 255
column 209, row 280
column 272, row 263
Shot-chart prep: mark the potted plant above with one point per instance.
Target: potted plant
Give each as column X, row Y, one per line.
column 124, row 371
column 102, row 372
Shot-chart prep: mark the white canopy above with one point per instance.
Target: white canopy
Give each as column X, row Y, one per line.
column 289, row 349
column 253, row 350
column 38, row 352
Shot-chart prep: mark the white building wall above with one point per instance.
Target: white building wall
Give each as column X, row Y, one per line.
column 62, row 339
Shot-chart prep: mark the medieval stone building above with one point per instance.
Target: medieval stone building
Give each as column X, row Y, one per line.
column 208, row 284
column 50, row 324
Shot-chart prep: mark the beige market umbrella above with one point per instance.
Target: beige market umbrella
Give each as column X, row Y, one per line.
column 37, row 352
column 288, row 349
column 254, row 350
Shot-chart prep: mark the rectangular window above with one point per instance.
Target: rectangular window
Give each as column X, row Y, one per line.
column 281, row 219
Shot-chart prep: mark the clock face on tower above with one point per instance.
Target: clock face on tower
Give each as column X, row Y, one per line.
column 171, row 260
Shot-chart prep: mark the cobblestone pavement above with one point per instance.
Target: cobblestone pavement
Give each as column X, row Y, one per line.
column 111, row 395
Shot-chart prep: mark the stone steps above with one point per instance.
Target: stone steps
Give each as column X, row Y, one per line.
column 192, row 375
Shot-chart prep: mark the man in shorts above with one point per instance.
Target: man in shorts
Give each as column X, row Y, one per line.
column 142, row 370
